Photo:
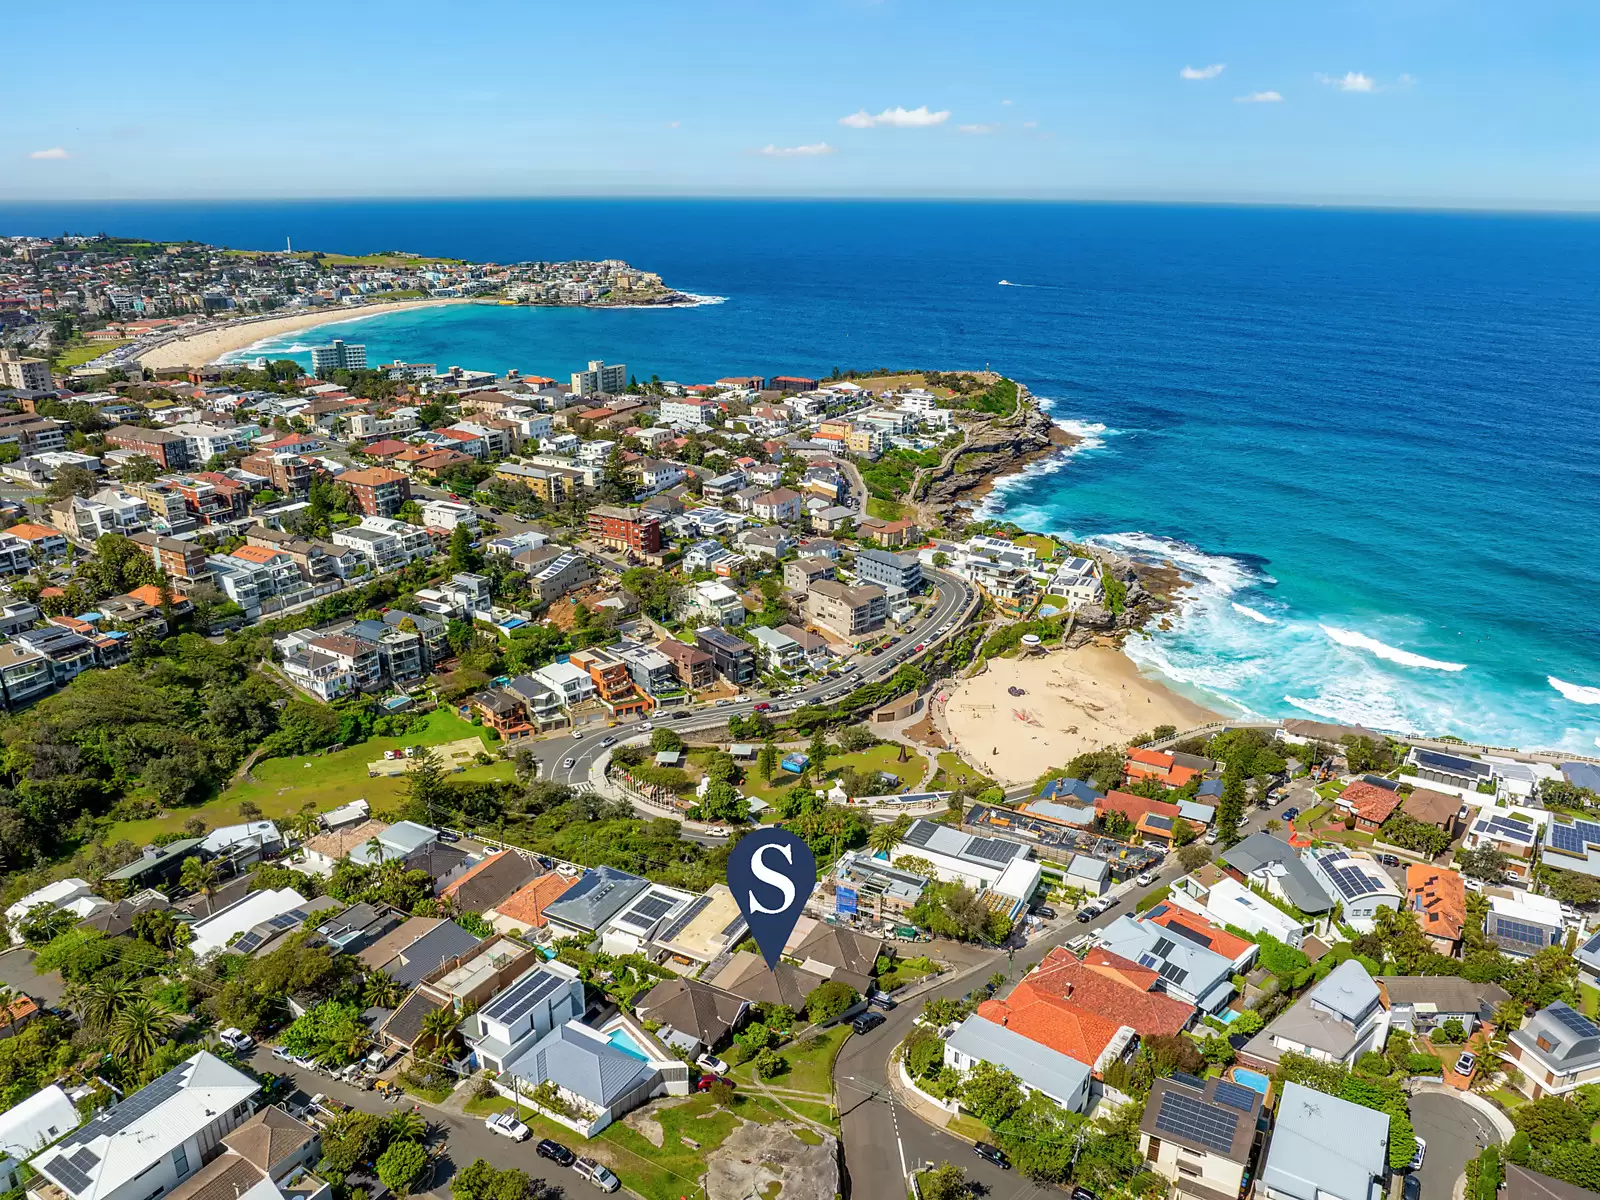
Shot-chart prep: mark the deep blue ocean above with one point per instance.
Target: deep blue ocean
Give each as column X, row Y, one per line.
column 1370, row 437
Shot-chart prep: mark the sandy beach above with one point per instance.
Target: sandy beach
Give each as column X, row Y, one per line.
column 208, row 345
column 1075, row 700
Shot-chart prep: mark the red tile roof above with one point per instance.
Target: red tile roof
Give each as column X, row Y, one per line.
column 1133, row 807
column 1108, row 983
column 1369, row 801
column 1439, row 898
column 1227, row 944
column 1053, row 1022
column 527, row 904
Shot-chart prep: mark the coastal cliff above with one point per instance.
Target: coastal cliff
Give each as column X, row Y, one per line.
column 995, row 447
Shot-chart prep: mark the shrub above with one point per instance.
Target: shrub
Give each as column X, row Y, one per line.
column 770, row 1063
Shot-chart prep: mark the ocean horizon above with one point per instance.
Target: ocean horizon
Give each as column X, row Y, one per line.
column 1366, row 436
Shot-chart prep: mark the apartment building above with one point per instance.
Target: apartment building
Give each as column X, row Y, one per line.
column 378, row 490
column 572, row 684
column 169, row 449
column 731, row 658
column 600, row 377
column 33, row 435
column 547, row 484
column 183, row 562
column 24, row 374
column 338, row 356
column 25, row 674
column 780, row 504
column 685, row 413
column 653, row 672
column 691, row 664
column 211, row 497
column 285, row 472
column 800, row 574
column 86, row 520
column 631, row 529
column 14, row 557
column 613, row 680
column 889, row 570
column 44, row 541
column 447, row 514
column 205, row 442
column 169, row 510
column 386, row 543
column 553, row 572
column 850, row 612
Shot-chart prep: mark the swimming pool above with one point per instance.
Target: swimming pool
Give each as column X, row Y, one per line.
column 1254, row 1080
column 623, row 1040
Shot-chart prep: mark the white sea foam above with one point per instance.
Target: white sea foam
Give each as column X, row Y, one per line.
column 1355, row 705
column 1226, row 574
column 1254, row 614
column 1360, row 641
column 1091, row 435
column 1575, row 692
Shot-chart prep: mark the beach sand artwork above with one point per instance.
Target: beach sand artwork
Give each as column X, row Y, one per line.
column 1072, row 701
column 208, row 345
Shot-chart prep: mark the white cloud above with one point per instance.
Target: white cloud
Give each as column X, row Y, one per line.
column 1350, row 81
column 672, row 124
column 1030, row 124
column 1210, row 72
column 1007, row 103
column 977, row 128
column 900, row 118
column 54, row 152
column 813, row 148
column 1259, row 98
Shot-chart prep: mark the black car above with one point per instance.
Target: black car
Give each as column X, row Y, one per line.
column 556, row 1153
column 1083, row 1193
column 1411, row 1189
column 1049, row 914
column 1389, row 860
column 993, row 1154
column 867, row 1022
column 883, row 1001
column 446, row 835
column 1085, row 915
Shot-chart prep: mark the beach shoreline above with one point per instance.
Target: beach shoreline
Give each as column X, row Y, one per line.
column 1073, row 701
column 207, row 345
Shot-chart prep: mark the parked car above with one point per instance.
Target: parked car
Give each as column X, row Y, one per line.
column 1045, row 911
column 867, row 1022
column 883, row 1000
column 577, row 735
column 1290, row 813
column 993, row 1154
column 596, row 1174
column 1146, row 878
column 1411, row 1189
column 1389, row 860
column 507, row 1125
column 556, row 1153
column 1106, row 903
column 1416, row 1159
column 449, row 835
column 717, row 831
column 282, row 1055
column 1466, row 1064
column 712, row 1063
column 707, row 1082
column 1087, row 914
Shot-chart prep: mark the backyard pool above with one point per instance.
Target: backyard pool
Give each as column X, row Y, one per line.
column 1254, row 1080
column 623, row 1040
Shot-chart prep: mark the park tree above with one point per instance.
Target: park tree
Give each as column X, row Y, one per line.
column 480, row 1181
column 401, row 1165
column 991, row 1093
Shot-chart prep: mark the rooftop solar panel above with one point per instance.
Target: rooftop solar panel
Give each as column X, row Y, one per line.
column 920, row 833
column 246, row 943
column 522, row 996
column 1163, row 947
column 1573, row 1020
column 653, row 905
column 1187, row 1080
column 83, row 1158
column 681, row 921
column 992, row 849
column 1185, row 1116
column 67, row 1175
column 1592, row 944
column 1193, row 935
column 1236, row 1095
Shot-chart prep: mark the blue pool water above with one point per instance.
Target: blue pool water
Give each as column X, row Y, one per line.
column 623, row 1040
column 1252, row 1079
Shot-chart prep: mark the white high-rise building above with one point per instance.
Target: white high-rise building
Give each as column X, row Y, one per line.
column 339, row 355
column 601, row 376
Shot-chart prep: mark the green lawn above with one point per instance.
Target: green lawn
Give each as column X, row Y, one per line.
column 810, row 1068
column 885, row 510
column 283, row 785
column 1045, row 546
column 76, row 356
column 953, row 770
column 1508, row 1099
column 968, row 1126
column 1151, row 899
column 667, row 1172
column 876, row 758
column 1588, row 999
column 907, row 971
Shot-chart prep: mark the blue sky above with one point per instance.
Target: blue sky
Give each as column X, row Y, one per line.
column 1431, row 102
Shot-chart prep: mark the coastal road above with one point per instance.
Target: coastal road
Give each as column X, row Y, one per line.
column 954, row 598
column 878, row 1130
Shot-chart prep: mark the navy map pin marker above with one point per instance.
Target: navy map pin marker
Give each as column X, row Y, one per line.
column 771, row 873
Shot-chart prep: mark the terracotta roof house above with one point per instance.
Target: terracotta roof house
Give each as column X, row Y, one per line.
column 524, row 908
column 1106, row 982
column 1087, row 1036
column 1432, row 808
column 491, row 881
column 1439, row 898
column 1197, row 929
column 1157, row 765
column 1371, row 804
column 1153, row 819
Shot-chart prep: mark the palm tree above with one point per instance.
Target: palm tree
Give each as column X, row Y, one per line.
column 305, row 825
column 381, row 991
column 139, row 1029
column 885, row 837
column 100, row 1003
column 200, row 875
column 439, row 1029
column 406, row 1125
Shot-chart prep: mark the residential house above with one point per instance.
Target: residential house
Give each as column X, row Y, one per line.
column 1337, row 1021
column 1324, row 1148
column 733, row 659
column 1572, row 844
column 1556, row 1051
column 692, row 665
column 554, row 572
column 634, row 927
column 1356, row 881
column 523, row 910
column 1522, row 924
column 816, row 648
column 713, row 602
column 1370, row 804
column 25, row 674
column 1201, row 1136
column 44, row 541
column 1438, row 897
column 780, row 651
column 590, row 904
column 1419, row 1004
column 747, row 976
column 1514, row 834
column 704, row 931
column 1261, row 860
column 447, row 514
column 613, row 680
column 416, row 949
column 217, row 932
column 1037, row 1067
column 599, row 1074
column 765, row 542
column 573, row 685
column 688, row 1006
column 545, row 998
column 541, row 703
column 987, row 864
column 1439, row 809
column 73, row 896
column 1153, row 821
column 144, row 1147
column 779, row 505
column 1189, row 924
column 653, row 673
column 30, row 1125
column 1157, row 765
column 1188, row 970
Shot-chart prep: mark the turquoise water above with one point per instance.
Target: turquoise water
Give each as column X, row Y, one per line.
column 623, row 1040
column 1369, row 438
column 1252, row 1079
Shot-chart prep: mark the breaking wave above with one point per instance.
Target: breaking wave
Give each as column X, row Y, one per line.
column 1360, row 641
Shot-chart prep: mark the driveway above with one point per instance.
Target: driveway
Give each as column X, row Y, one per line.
column 17, row 973
column 1455, row 1132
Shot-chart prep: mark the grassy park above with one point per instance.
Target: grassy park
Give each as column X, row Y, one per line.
column 280, row 787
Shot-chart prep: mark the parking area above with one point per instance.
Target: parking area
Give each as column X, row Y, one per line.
column 455, row 756
column 16, row 972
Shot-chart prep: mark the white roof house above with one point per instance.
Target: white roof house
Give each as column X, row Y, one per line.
column 28, row 1127
column 1229, row 902
column 74, row 895
column 153, row 1140
column 250, row 836
column 215, row 932
column 567, row 681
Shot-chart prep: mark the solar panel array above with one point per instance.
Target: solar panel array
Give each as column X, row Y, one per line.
column 1573, row 1020
column 1186, row 1116
column 1592, row 944
column 920, row 833
column 1163, row 947
column 992, row 849
column 284, row 921
column 1352, row 881
column 1575, row 838
column 1193, row 935
column 1173, row 973
column 247, row 943
column 1236, row 1095
column 1505, row 827
column 681, row 921
column 1335, row 856
column 1187, row 1080
column 515, row 1002
column 1522, row 933
column 1454, row 764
